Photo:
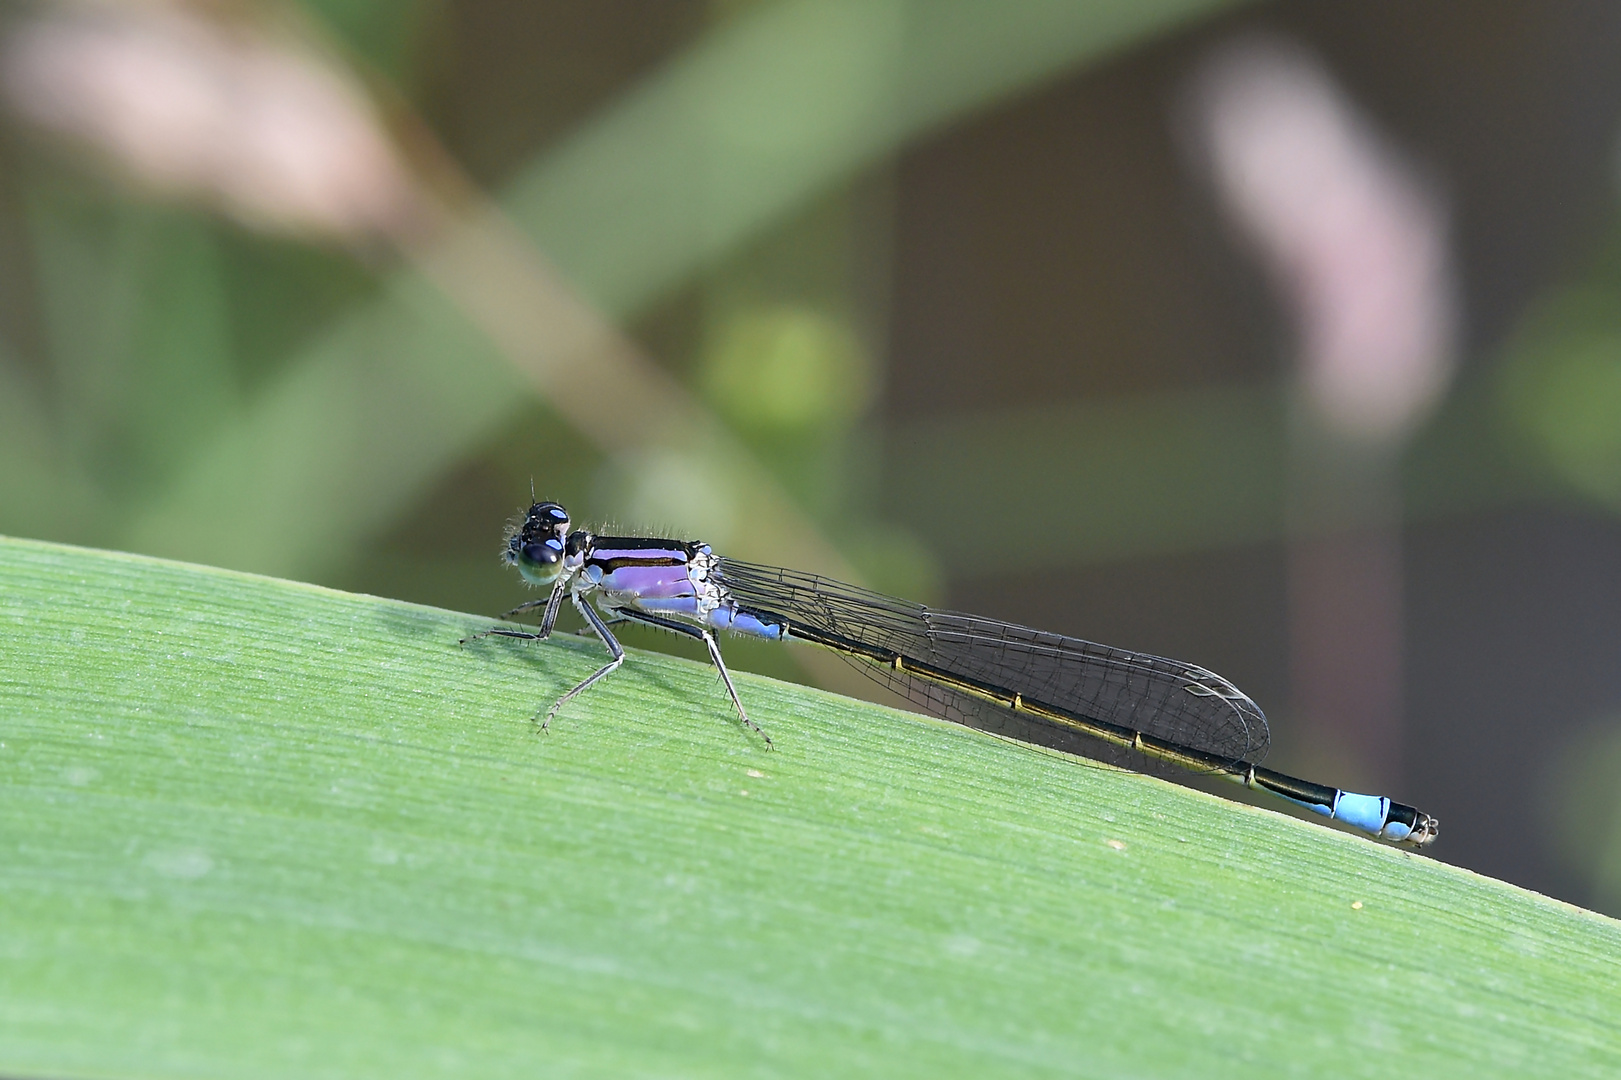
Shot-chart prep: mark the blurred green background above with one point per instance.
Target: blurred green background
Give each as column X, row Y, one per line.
column 948, row 298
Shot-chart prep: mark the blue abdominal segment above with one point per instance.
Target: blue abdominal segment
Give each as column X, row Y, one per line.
column 741, row 622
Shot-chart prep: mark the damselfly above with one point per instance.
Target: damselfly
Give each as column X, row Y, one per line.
column 1045, row 688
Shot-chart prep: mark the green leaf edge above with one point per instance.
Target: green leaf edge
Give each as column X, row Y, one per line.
column 256, row 827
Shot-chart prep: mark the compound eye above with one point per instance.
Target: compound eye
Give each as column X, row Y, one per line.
column 543, row 554
column 549, row 516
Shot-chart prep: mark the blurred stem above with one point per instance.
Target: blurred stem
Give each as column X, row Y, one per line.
column 1345, row 598
column 601, row 381
column 765, row 112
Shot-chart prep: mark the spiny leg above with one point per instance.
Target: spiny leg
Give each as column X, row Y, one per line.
column 497, row 631
column 714, row 654
column 587, row 631
column 726, row 677
column 608, row 639
column 526, row 605
column 547, row 621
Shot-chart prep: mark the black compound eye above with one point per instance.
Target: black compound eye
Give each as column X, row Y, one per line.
column 549, row 516
column 544, row 553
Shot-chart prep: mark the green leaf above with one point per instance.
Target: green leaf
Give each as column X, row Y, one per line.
column 252, row 827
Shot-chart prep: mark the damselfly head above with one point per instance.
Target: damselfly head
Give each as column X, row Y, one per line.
column 535, row 546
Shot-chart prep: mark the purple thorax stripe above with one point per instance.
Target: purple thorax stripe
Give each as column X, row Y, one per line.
column 648, row 573
column 612, row 558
